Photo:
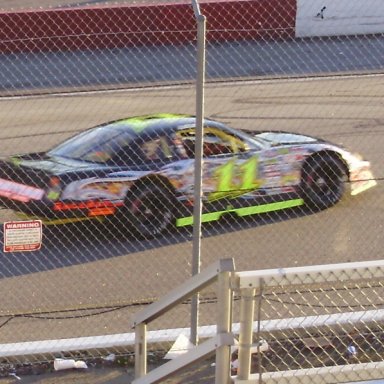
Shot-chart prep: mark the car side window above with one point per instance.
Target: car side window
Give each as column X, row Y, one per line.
column 144, row 151
column 154, row 150
column 216, row 145
column 215, row 142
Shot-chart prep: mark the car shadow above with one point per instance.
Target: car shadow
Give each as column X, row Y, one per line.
column 74, row 244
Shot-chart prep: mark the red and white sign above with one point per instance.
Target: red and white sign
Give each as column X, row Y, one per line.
column 22, row 235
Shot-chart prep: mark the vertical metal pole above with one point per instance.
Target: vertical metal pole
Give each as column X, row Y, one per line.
column 140, row 350
column 224, row 325
column 247, row 307
column 201, row 27
column 258, row 319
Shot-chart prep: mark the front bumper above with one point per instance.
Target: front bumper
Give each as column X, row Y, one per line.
column 361, row 177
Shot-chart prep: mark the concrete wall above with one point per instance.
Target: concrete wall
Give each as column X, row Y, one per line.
column 119, row 26
column 155, row 24
column 339, row 17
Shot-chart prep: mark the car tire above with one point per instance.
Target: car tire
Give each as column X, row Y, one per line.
column 150, row 210
column 323, row 181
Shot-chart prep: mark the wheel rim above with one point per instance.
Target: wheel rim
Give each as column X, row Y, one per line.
column 325, row 183
column 151, row 213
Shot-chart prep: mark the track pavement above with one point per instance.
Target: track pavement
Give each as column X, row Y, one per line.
column 352, row 115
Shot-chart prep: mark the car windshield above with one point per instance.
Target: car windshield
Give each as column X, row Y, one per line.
column 97, row 145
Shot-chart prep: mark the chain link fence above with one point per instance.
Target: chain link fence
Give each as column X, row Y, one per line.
column 116, row 201
column 311, row 324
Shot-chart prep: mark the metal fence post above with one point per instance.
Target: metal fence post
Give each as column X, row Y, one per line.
column 247, row 307
column 224, row 325
column 201, row 28
column 140, row 350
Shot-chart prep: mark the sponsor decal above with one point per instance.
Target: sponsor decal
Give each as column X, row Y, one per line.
column 19, row 192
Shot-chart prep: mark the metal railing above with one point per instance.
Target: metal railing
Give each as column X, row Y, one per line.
column 253, row 286
column 335, row 346
column 218, row 271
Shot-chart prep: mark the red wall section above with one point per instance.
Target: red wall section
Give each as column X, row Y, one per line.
column 112, row 27
column 254, row 19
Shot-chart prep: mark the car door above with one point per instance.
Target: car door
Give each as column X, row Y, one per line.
column 271, row 171
column 229, row 168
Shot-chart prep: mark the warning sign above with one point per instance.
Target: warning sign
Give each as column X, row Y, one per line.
column 22, row 235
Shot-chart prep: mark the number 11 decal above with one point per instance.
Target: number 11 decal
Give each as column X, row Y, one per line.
column 236, row 179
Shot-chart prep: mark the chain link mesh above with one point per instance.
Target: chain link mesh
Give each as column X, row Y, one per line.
column 64, row 70
column 304, row 325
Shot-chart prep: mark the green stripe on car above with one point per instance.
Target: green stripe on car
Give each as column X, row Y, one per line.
column 246, row 211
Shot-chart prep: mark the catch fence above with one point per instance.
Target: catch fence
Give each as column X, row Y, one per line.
column 270, row 65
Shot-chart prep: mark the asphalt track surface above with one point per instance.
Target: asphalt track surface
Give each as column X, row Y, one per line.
column 27, row 73
column 98, row 269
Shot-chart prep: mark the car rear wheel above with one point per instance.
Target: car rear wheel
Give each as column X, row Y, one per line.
column 323, row 181
column 150, row 210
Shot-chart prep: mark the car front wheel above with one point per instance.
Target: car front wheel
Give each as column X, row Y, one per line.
column 323, row 181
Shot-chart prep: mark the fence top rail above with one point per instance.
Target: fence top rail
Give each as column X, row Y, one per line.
column 184, row 291
column 310, row 274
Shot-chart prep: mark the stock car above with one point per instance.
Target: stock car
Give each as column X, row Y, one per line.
column 139, row 171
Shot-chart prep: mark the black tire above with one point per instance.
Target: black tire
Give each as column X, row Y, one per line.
column 323, row 181
column 150, row 210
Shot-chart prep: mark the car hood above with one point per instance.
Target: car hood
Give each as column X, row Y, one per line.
column 275, row 138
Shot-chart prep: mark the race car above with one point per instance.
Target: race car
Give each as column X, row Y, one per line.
column 139, row 172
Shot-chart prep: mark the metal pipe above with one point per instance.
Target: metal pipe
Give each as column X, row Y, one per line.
column 140, row 350
column 247, row 307
column 224, row 326
column 197, row 210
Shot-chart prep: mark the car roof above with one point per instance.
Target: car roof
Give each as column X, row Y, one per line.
column 153, row 125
